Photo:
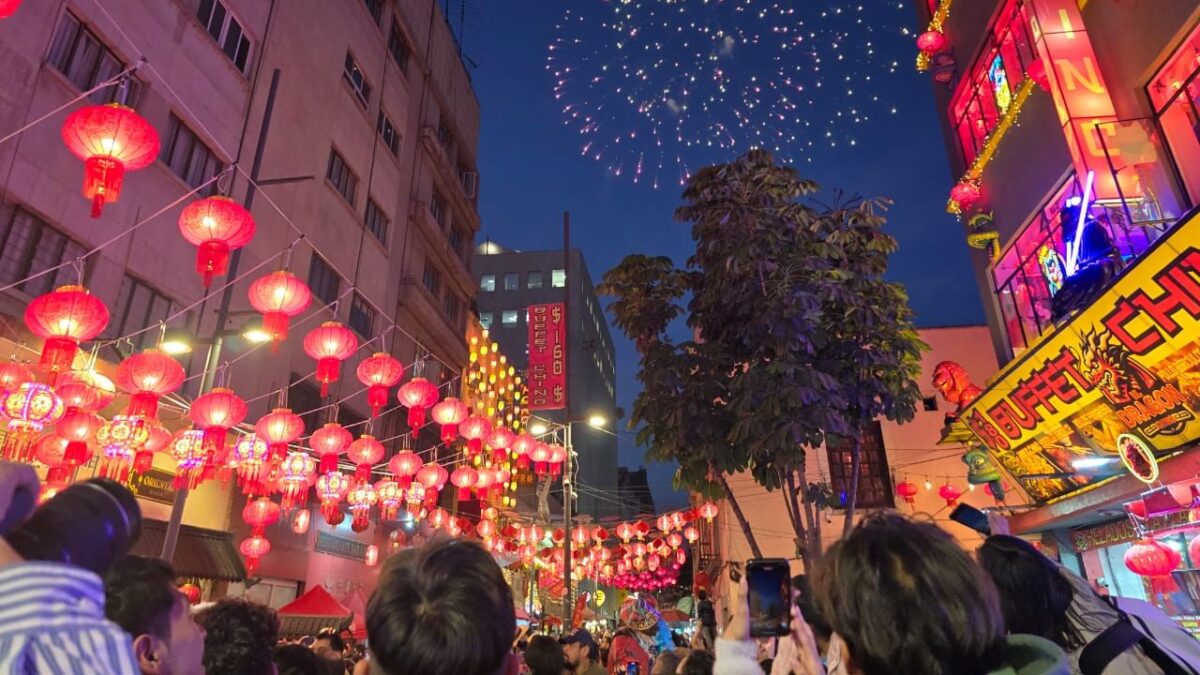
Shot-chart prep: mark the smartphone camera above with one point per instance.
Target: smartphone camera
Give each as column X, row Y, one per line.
column 769, row 583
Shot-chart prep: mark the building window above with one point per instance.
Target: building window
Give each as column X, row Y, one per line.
column 533, row 280
column 376, row 221
column 389, row 134
column 79, row 55
column 558, row 278
column 354, row 76
column 1175, row 93
column 189, row 157
column 398, row 47
column 512, row 281
column 446, row 137
column 341, row 176
column 225, row 29
column 508, row 317
column 305, row 395
column 929, row 403
column 324, row 282
column 29, row 245
column 874, row 481
column 432, row 278
column 456, row 240
column 362, row 316
column 487, row 283
column 451, row 307
column 437, row 207
column 138, row 305
column 485, row 319
column 375, row 7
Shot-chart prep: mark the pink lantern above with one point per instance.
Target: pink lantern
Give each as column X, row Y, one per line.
column 449, row 413
column 328, row 442
column 364, row 452
column 418, row 394
column 404, row 466
column 474, row 429
column 379, row 372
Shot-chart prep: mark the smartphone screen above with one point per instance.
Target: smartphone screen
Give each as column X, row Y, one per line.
column 770, row 596
column 968, row 515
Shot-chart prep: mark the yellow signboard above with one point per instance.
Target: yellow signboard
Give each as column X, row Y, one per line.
column 1128, row 365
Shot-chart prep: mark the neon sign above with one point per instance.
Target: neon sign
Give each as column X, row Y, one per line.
column 1000, row 88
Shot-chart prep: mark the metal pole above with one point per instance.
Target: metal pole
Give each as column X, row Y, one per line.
column 567, row 599
column 214, row 352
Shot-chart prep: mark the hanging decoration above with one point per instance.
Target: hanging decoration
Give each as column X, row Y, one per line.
column 390, row 498
column 301, row 521
column 328, row 442
column 8, row 8
column 474, row 428
column 279, row 296
column 364, row 452
column 64, row 317
column 361, row 498
column 464, row 478
column 148, row 376
column 950, row 493
column 907, row 491
column 935, row 26
column 120, row 440
column 500, row 440
column 215, row 413
column 254, row 548
column 217, row 226
column 296, row 475
column 13, row 374
column 331, row 487
column 379, row 373
column 260, row 514
column 523, row 446
column 449, row 413
column 110, row 139
column 975, row 173
column 1155, row 561
column 329, row 344
column 51, row 451
column 418, row 395
column 404, row 466
column 86, row 389
column 78, row 429
column 278, row 428
column 250, row 454
column 28, row 408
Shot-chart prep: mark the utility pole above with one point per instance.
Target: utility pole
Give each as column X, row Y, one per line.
column 568, row 605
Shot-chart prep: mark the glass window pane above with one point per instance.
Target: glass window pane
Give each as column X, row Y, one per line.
column 485, row 319
column 558, row 278
column 533, row 280
column 509, row 317
column 512, row 281
column 487, row 283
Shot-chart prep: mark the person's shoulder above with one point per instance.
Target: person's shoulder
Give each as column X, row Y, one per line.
column 596, row 669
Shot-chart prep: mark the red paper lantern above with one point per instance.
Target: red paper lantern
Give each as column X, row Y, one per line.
column 950, row 493
column 418, row 395
column 691, row 534
column 254, row 548
column 404, row 465
column 558, row 455
column 464, row 478
column 191, row 592
column 379, row 372
column 260, row 514
column 216, row 413
column 78, row 429
column 110, row 139
column 65, row 317
column 931, row 42
column 188, row 452
column 29, row 408
column 1156, row 561
column 51, row 451
column 907, row 490
column 328, row 442
column 432, row 476
column 279, row 296
column 8, row 8
column 330, row 344
column 708, row 511
column 361, row 498
column 372, row 555
column 85, row 389
column 217, row 225
column 500, row 440
column 449, row 413
column 643, row 529
column 147, row 377
column 250, row 453
column 540, row 456
column 13, row 374
column 965, row 194
column 364, row 452
column 390, row 498
column 278, row 428
column 296, row 472
column 474, row 429
column 121, row 440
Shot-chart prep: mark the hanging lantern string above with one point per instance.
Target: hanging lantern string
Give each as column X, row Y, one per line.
column 107, row 83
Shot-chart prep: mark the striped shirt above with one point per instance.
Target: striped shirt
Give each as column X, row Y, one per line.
column 52, row 621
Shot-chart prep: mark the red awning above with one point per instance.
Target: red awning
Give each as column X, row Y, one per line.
column 315, row 602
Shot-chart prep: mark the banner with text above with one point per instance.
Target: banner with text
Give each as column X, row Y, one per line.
column 547, row 377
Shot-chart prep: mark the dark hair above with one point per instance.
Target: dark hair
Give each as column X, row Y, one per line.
column 767, row 665
column 1034, row 595
column 239, row 638
column 444, row 608
column 299, row 660
column 702, row 594
column 335, row 639
column 699, row 662
column 544, row 656
column 670, row 659
column 139, row 594
column 806, row 603
column 874, row 584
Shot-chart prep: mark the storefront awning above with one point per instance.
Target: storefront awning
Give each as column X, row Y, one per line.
column 309, row 613
column 200, row 553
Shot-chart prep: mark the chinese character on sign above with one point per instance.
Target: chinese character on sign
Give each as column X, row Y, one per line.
column 547, row 378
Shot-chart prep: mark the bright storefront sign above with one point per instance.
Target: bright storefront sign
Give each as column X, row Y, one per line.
column 547, row 376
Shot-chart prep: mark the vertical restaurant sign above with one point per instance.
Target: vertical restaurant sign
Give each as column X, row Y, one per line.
column 1120, row 380
column 547, row 377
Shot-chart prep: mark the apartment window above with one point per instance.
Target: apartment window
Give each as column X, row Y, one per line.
column 398, row 47
column 79, row 55
column 354, row 76
column 323, row 280
column 457, row 241
column 508, row 317
column 341, row 176
column 446, row 137
column 512, row 281
column 29, row 245
column 485, row 320
column 451, row 307
column 558, row 278
column 376, row 221
column 189, row 157
column 1175, row 93
column 362, row 316
column 389, row 134
column 533, row 280
column 225, row 29
column 929, row 403
column 432, row 278
column 487, row 283
column 437, row 207
column 874, row 481
column 138, row 305
column 375, row 7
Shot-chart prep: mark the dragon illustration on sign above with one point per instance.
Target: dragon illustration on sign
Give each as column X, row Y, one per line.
column 1142, row 400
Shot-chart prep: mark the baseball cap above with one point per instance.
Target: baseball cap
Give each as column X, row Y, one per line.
column 581, row 636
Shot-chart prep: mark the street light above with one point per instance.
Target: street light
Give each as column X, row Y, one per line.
column 176, row 342
column 597, row 421
column 538, row 428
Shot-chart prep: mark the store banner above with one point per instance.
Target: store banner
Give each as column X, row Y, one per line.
column 1120, row 380
column 547, row 376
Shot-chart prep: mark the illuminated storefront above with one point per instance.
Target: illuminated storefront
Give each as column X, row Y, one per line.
column 1175, row 93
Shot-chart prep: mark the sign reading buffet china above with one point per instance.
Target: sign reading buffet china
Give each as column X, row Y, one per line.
column 547, row 376
column 1120, row 380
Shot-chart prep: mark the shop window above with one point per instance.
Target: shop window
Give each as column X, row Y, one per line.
column 1175, row 93
column 874, row 480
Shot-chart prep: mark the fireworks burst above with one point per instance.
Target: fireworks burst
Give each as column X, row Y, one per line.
column 657, row 87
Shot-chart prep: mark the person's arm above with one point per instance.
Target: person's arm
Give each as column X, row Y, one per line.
column 736, row 653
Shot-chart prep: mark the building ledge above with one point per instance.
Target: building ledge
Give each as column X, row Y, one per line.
column 440, row 246
column 447, row 177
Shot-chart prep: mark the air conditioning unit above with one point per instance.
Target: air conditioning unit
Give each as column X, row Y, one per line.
column 470, row 182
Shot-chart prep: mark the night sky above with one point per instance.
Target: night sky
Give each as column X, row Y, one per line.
column 532, row 169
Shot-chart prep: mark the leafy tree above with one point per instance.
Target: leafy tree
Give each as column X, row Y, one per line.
column 793, row 335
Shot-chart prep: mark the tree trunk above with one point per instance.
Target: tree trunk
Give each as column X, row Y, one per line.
column 737, row 511
column 855, row 467
column 812, row 543
column 793, row 506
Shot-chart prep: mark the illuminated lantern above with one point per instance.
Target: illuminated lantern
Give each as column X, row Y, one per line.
column 675, row 540
column 328, row 442
column 484, row 481
column 415, row 495
column 217, row 225
column 1151, row 559
column 13, row 374
column 364, row 452
column 390, row 498
column 78, row 428
column 331, row 487
column 691, row 534
column 379, row 372
column 51, row 451
column 500, row 440
column 254, row 548
column 250, row 453
column 708, row 511
column 474, row 429
column 950, row 493
column 432, row 476
column 260, row 514
column 372, row 557
column 296, row 471
column 558, row 455
column 907, row 490
column 29, row 408
column 599, row 535
column 147, row 377
column 464, row 478
column 120, row 439
column 540, row 456
column 279, row 296
column 64, row 317
column 404, row 466
column 188, row 452
column 653, row 562
column 8, row 8
column 216, row 413
column 524, row 445
column 85, row 389
column 626, row 532
column 361, row 498
column 439, row 518
column 931, row 42
column 449, row 413
column 581, row 536
column 301, row 520
column 664, row 523
column 486, row 529
column 643, row 529
column 418, row 395
column 965, row 194
column 330, row 344
column 110, row 139
column 191, row 592
column 278, row 428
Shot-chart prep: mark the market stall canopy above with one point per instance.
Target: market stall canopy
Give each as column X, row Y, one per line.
column 309, row 613
column 675, row 616
column 200, row 553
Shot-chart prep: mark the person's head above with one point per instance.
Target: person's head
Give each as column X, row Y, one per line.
column 329, row 644
column 544, row 656
column 240, row 637
column 299, row 660
column 767, row 665
column 444, row 608
column 698, row 662
column 702, row 594
column 666, row 664
column 874, row 587
column 140, row 596
column 1034, row 595
column 580, row 648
